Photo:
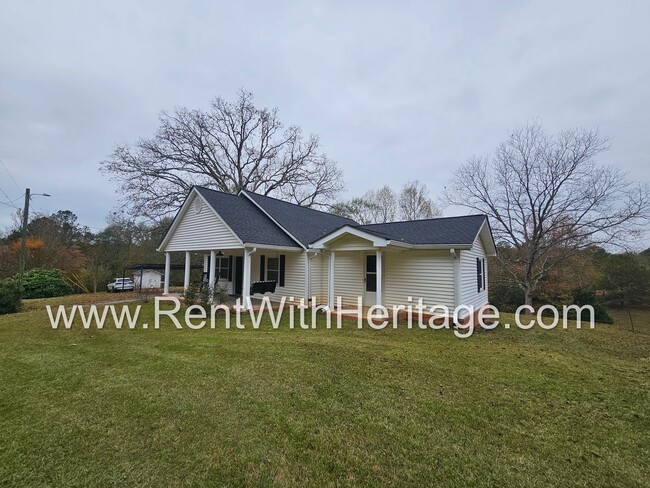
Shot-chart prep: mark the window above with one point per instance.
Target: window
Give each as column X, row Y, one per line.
column 222, row 267
column 272, row 269
column 371, row 272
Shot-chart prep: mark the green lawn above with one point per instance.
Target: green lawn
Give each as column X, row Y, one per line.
column 325, row 407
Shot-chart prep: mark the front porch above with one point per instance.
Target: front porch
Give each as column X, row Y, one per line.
column 356, row 267
column 240, row 271
column 387, row 272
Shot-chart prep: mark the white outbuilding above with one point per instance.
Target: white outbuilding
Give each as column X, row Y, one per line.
column 150, row 278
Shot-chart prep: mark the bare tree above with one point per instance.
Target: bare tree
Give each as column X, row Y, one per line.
column 230, row 147
column 548, row 198
column 414, row 202
column 356, row 209
column 385, row 203
column 373, row 207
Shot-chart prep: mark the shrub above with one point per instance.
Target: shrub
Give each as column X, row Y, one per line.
column 220, row 295
column 9, row 296
column 191, row 294
column 199, row 294
column 44, row 283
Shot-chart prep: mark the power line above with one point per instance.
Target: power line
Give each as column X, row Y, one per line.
column 10, row 176
column 11, row 202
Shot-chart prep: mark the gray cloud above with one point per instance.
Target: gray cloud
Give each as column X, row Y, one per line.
column 395, row 90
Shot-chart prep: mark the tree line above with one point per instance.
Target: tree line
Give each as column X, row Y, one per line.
column 87, row 259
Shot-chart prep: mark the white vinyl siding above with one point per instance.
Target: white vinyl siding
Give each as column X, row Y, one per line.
column 469, row 285
column 348, row 277
column 350, row 243
column 294, row 274
column 199, row 231
column 418, row 274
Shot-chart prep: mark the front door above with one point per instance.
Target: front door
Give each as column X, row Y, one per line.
column 238, row 274
column 370, row 280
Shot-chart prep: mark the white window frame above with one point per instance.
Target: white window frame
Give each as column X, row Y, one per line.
column 221, row 265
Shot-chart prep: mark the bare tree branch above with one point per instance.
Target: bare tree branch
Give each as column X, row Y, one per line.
column 548, row 199
column 414, row 202
column 230, row 147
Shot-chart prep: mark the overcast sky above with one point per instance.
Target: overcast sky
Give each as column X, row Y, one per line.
column 396, row 90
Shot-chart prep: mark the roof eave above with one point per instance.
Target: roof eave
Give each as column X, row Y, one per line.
column 442, row 246
column 487, row 229
column 273, row 246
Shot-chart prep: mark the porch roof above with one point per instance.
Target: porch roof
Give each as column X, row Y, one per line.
column 443, row 230
column 440, row 233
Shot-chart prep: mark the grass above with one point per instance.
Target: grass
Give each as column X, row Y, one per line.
column 322, row 407
column 35, row 304
column 631, row 320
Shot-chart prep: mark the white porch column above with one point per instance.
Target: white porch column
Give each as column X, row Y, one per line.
column 168, row 263
column 307, row 276
column 213, row 268
column 205, row 263
column 246, row 281
column 186, row 280
column 379, row 293
column 330, row 281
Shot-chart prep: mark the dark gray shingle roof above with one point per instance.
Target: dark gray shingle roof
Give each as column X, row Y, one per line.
column 245, row 219
column 444, row 230
column 305, row 224
column 308, row 225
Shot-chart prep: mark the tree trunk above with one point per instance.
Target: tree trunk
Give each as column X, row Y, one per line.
column 528, row 297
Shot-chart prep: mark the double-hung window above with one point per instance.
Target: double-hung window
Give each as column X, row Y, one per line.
column 272, row 269
column 221, row 267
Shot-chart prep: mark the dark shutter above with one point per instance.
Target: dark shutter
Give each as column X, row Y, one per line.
column 479, row 280
column 229, row 268
column 262, row 266
column 483, row 273
column 283, row 262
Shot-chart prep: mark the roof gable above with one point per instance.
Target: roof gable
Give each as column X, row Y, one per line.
column 195, row 228
column 349, row 236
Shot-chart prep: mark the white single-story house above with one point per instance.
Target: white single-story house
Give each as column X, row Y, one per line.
column 150, row 278
column 248, row 238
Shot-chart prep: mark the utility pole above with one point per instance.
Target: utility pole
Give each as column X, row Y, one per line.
column 23, row 244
